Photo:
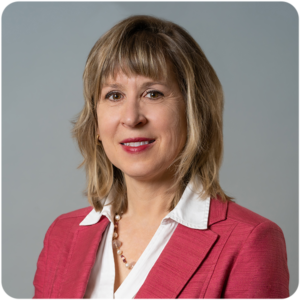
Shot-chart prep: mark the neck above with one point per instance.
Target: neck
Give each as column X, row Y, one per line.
column 149, row 200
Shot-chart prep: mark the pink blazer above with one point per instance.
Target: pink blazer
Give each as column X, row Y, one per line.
column 240, row 255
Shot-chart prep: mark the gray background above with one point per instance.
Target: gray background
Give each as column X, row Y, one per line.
column 254, row 50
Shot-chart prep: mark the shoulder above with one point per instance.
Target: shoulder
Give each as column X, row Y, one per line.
column 79, row 213
column 242, row 220
column 245, row 216
column 250, row 242
column 67, row 222
column 254, row 230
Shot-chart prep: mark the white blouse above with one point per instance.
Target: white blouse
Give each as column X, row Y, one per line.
column 191, row 211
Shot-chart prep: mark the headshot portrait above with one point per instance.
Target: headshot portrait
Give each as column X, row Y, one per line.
column 150, row 150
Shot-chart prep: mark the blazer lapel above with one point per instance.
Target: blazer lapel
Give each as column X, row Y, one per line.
column 217, row 212
column 181, row 257
column 184, row 253
column 81, row 259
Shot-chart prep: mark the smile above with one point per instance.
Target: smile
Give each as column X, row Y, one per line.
column 137, row 144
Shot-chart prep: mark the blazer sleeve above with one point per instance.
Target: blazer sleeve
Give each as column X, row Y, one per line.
column 260, row 270
column 40, row 274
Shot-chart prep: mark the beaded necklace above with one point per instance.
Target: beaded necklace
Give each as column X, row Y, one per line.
column 117, row 243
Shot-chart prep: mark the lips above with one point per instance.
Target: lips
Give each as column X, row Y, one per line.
column 137, row 145
column 136, row 140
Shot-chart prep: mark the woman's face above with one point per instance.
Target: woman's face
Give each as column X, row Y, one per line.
column 142, row 124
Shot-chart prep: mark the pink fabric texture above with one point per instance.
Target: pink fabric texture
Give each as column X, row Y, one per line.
column 240, row 255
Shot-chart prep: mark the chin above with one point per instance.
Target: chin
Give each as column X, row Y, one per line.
column 146, row 174
column 140, row 175
column 139, row 171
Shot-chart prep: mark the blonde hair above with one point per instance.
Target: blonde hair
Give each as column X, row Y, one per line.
column 144, row 45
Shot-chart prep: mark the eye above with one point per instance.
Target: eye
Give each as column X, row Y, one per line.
column 154, row 94
column 114, row 96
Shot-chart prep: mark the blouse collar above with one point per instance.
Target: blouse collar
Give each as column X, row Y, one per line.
column 191, row 211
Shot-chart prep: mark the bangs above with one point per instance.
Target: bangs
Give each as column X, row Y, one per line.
column 140, row 53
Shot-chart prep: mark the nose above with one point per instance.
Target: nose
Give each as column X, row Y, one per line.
column 132, row 115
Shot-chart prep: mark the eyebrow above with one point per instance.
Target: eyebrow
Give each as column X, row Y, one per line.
column 144, row 85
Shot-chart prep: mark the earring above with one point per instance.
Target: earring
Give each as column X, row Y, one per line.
column 97, row 140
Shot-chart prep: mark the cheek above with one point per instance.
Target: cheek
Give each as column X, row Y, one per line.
column 171, row 124
column 106, row 131
column 106, row 124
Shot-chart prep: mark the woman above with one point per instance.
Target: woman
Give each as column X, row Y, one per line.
column 160, row 225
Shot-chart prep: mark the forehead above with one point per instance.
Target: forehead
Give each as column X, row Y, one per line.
column 123, row 77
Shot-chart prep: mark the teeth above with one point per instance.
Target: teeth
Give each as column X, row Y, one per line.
column 137, row 144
